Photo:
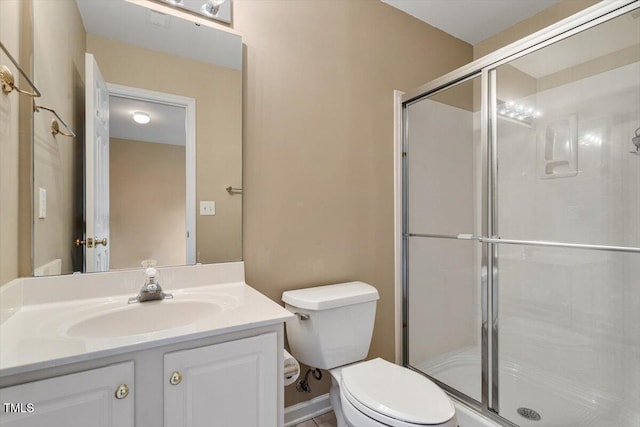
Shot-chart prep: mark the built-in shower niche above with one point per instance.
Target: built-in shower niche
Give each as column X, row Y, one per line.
column 557, row 148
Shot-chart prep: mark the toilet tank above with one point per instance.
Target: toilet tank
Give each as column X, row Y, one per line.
column 333, row 324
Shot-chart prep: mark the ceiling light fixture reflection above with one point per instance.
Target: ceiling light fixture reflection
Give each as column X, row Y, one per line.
column 518, row 112
column 141, row 117
column 211, row 7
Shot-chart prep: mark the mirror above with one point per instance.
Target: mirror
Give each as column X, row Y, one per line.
column 168, row 190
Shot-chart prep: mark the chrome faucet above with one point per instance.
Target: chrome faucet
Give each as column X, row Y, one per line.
column 151, row 290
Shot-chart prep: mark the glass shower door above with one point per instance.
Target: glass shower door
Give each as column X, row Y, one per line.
column 443, row 199
column 568, row 209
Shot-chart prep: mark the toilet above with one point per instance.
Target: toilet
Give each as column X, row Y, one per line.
column 332, row 330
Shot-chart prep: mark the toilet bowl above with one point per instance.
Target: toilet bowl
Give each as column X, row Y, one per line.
column 379, row 393
column 332, row 330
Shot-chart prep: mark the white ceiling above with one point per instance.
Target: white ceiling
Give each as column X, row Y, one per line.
column 167, row 125
column 471, row 20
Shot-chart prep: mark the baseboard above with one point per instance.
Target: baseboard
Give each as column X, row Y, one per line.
column 304, row 411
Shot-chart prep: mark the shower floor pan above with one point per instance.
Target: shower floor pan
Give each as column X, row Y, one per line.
column 557, row 404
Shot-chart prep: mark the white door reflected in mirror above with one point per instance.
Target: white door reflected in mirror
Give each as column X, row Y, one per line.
column 96, row 257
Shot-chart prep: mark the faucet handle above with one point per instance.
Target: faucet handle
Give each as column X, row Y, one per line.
column 150, row 272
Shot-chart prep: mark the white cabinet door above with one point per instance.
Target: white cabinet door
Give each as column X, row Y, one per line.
column 223, row 385
column 76, row 400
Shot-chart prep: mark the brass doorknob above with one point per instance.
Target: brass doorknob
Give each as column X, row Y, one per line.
column 175, row 378
column 79, row 242
column 122, row 391
column 90, row 242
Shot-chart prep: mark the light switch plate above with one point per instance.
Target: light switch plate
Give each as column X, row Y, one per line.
column 207, row 207
column 42, row 203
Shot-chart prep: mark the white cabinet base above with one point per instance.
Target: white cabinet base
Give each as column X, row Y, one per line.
column 228, row 380
column 223, row 385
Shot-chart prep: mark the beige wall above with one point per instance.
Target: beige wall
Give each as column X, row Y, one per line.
column 528, row 26
column 56, row 167
column 217, row 91
column 602, row 64
column 318, row 143
column 16, row 143
column 9, row 146
column 147, row 210
column 513, row 84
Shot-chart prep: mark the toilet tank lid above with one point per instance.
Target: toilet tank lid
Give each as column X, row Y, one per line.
column 331, row 296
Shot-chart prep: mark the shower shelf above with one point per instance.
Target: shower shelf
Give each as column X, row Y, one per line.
column 558, row 148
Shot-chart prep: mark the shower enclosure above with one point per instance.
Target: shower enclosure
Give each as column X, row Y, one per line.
column 521, row 226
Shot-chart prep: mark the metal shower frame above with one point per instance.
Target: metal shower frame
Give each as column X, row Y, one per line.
column 485, row 68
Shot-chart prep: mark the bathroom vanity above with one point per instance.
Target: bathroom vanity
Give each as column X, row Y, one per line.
column 212, row 355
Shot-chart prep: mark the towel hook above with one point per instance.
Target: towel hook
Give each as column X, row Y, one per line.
column 55, row 126
column 55, row 129
column 8, row 81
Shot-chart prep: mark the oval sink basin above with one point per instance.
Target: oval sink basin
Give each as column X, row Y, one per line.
column 143, row 318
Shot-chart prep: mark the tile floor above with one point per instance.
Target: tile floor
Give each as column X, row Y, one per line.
column 326, row 420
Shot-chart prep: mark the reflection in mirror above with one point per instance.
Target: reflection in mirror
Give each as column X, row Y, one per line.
column 153, row 63
column 150, row 128
column 217, row 10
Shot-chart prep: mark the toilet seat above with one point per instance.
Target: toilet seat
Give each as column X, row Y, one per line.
column 395, row 396
column 361, row 416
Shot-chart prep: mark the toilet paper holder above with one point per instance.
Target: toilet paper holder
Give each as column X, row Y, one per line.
column 291, row 368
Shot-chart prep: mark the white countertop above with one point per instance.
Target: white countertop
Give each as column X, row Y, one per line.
column 41, row 335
